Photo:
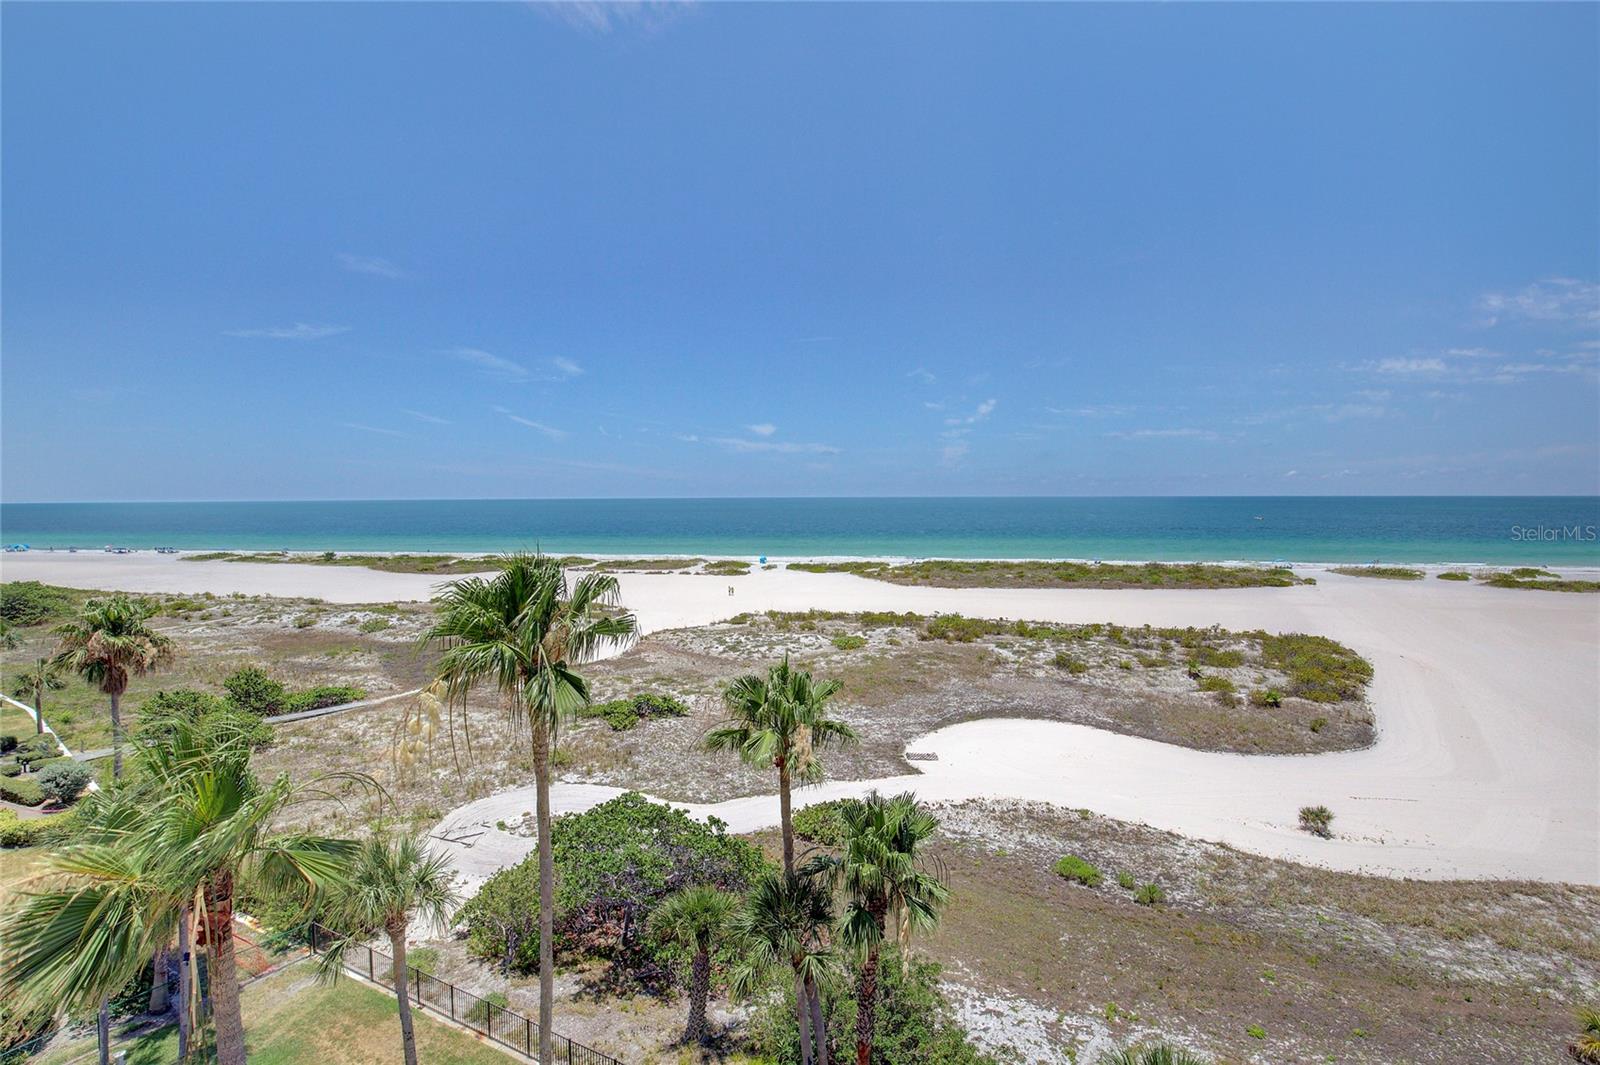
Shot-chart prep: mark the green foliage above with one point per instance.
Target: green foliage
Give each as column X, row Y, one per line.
column 323, row 695
column 32, row 603
column 479, row 1012
column 1073, row 665
column 614, row 864
column 1125, row 881
column 915, row 1024
column 62, row 781
column 1215, row 683
column 1266, row 697
column 1317, row 820
column 726, row 567
column 34, row 751
column 1158, row 1054
column 1530, row 572
column 251, row 690
column 1455, row 575
column 1150, row 895
column 8, row 743
column 821, row 823
column 965, row 573
column 849, row 642
column 189, row 705
column 1385, row 573
column 1071, row 867
column 1255, row 1031
column 954, row 628
column 1319, row 669
column 17, row 832
column 1506, row 580
column 1586, row 1048
column 1216, row 657
column 24, row 791
column 373, row 625
column 1318, row 724
column 624, row 714
column 424, row 958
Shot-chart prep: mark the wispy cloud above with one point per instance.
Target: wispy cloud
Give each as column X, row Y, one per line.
column 1409, row 366
column 491, row 364
column 566, row 367
column 548, row 430
column 1103, row 410
column 424, row 416
column 298, row 331
column 923, row 375
column 1184, row 433
column 1557, row 300
column 373, row 265
column 763, row 429
column 601, row 17
column 952, row 453
column 984, row 409
column 372, row 429
column 739, row 444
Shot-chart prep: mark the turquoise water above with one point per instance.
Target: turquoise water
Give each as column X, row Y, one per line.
column 1500, row 530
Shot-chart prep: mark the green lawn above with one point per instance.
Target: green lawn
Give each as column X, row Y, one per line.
column 291, row 1019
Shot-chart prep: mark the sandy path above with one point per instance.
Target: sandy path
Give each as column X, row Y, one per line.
column 1488, row 705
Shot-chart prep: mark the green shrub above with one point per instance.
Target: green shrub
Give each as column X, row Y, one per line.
column 954, row 628
column 1318, row 724
column 1455, row 575
column 1317, row 820
column 821, row 823
column 614, row 864
column 36, row 750
column 480, row 1010
column 305, row 621
column 1126, row 881
column 64, row 780
column 1072, row 665
column 8, row 743
column 849, row 642
column 17, row 832
column 1150, row 895
column 24, row 791
column 1255, row 1031
column 31, row 603
column 1386, row 573
column 1530, row 572
column 373, row 625
column 624, row 714
column 424, row 959
column 1158, row 1054
column 1266, row 697
column 10, row 769
column 1319, row 669
column 251, row 690
column 323, row 695
column 1071, row 867
column 1216, row 684
column 1206, row 655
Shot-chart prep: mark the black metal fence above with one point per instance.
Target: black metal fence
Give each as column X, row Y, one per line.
column 506, row 1027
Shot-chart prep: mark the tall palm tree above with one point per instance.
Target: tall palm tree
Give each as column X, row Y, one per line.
column 784, row 922
column 884, row 876
column 108, row 645
column 391, row 881
column 46, row 675
column 524, row 631
column 696, row 919
column 781, row 720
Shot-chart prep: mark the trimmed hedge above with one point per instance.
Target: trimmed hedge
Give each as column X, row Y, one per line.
column 24, row 791
column 15, row 832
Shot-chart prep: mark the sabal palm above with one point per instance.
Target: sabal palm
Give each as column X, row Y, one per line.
column 1160, row 1054
column 696, row 919
column 390, row 882
column 46, row 675
column 884, row 875
column 784, row 922
column 524, row 630
column 781, row 720
column 107, row 646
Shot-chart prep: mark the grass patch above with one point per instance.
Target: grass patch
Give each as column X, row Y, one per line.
column 614, row 564
column 1072, row 867
column 849, row 641
column 386, row 563
column 624, row 714
column 1319, row 669
column 958, row 573
column 1542, row 584
column 1455, row 575
column 726, row 567
column 1385, row 573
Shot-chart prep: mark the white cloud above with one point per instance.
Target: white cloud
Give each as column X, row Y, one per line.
column 548, row 430
column 762, row 428
column 372, row 429
column 1409, row 366
column 374, row 265
column 984, row 409
column 1556, row 299
column 423, row 416
column 922, row 374
column 298, row 331
column 733, row 443
column 1104, row 410
column 954, row 452
column 1163, row 434
column 566, row 367
column 491, row 364
column 601, row 17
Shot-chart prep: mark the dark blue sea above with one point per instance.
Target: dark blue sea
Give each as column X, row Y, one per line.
column 1498, row 530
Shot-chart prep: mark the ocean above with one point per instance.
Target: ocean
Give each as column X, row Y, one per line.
column 1506, row 530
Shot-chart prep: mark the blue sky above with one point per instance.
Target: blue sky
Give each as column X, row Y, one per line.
column 362, row 250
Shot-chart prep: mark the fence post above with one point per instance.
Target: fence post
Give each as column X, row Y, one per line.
column 417, row 981
column 452, row 1002
column 370, row 976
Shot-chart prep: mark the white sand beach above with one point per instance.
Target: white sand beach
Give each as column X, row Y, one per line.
column 1487, row 762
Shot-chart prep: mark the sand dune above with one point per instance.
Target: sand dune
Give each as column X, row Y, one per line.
column 1488, row 706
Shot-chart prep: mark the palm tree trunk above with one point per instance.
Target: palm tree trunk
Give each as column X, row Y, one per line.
column 699, row 990
column 785, row 821
column 185, row 984
column 547, row 892
column 158, row 982
column 116, row 735
column 102, row 1031
column 819, row 1025
column 223, row 970
column 866, row 1006
column 38, row 710
column 408, row 1039
column 802, row 1017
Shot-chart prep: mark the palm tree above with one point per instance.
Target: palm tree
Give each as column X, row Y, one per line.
column 1586, row 1048
column 1160, row 1054
column 33, row 683
column 696, row 919
column 784, row 921
column 390, row 882
column 781, row 720
column 524, row 631
column 883, row 876
column 109, row 644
